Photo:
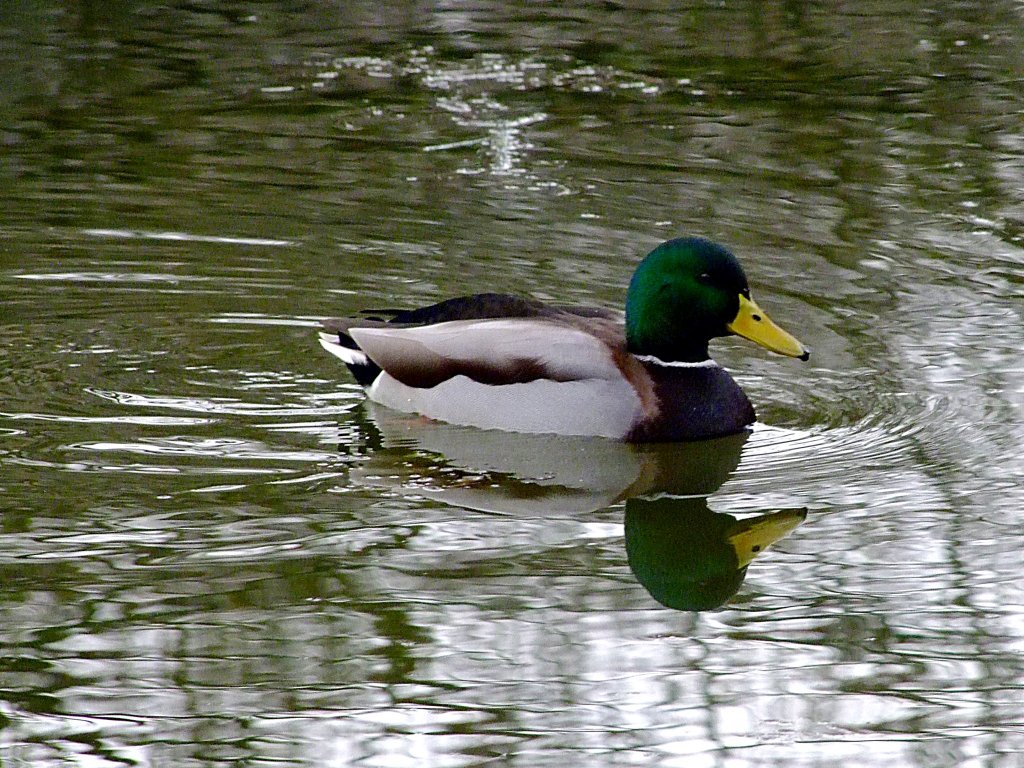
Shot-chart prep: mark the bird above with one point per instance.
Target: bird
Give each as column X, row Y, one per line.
column 499, row 361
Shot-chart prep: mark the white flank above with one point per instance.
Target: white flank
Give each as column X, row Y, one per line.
column 592, row 407
column 349, row 356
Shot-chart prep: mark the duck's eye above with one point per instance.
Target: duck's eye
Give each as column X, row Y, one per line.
column 704, row 277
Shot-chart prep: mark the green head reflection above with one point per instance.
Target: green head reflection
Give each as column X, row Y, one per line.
column 687, row 556
column 691, row 558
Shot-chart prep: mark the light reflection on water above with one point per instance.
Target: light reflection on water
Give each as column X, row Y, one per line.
column 213, row 553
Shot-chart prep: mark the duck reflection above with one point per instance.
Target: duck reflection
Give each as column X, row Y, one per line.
column 691, row 558
column 687, row 556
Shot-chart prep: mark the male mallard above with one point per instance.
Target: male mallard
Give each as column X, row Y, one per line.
column 502, row 362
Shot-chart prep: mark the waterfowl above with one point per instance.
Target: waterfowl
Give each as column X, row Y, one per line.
column 497, row 361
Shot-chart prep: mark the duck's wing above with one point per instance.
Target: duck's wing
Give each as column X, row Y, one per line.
column 483, row 306
column 492, row 351
column 476, row 307
column 338, row 340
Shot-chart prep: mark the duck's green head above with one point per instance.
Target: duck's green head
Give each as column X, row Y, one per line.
column 688, row 291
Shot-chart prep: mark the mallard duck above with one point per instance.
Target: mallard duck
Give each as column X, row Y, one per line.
column 497, row 361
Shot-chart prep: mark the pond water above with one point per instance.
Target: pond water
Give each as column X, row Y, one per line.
column 213, row 552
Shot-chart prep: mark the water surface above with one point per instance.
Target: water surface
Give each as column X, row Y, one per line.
column 214, row 553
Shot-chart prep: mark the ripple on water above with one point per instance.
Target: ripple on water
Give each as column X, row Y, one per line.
column 888, row 457
column 220, row 405
column 129, row 234
column 144, row 421
column 225, row 448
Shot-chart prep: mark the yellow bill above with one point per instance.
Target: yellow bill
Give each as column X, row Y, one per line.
column 752, row 323
column 751, row 537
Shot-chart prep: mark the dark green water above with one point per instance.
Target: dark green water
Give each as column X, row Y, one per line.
column 213, row 553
